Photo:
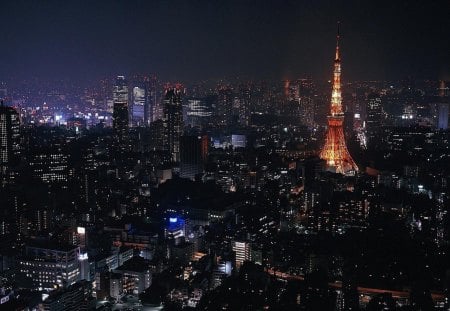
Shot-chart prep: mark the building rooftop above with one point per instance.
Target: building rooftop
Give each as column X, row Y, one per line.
column 135, row 264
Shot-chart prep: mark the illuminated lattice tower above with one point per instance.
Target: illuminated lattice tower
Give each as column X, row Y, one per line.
column 335, row 151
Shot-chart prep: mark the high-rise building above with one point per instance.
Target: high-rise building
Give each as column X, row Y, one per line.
column 140, row 106
column 198, row 112
column 120, row 112
column 242, row 252
column 224, row 109
column 173, row 122
column 374, row 117
column 50, row 164
column 306, row 102
column 335, row 151
column 245, row 97
column 9, row 140
column 190, row 156
column 154, row 111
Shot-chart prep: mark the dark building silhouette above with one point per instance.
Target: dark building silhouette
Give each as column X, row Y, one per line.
column 190, row 156
column 374, row 116
column 9, row 140
column 224, row 109
column 173, row 122
column 120, row 113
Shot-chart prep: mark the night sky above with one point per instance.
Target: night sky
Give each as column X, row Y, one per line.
column 197, row 40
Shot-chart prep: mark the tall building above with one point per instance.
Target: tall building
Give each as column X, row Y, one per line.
column 306, row 102
column 154, row 112
column 242, row 252
column 198, row 112
column 50, row 164
column 224, row 109
column 374, row 116
column 190, row 156
column 245, row 98
column 120, row 110
column 173, row 122
column 9, row 140
column 139, row 115
column 335, row 151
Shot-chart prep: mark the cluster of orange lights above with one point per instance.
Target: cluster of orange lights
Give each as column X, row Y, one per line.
column 335, row 151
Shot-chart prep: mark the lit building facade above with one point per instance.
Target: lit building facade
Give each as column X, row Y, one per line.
column 9, row 140
column 197, row 112
column 139, row 108
column 173, row 122
column 374, row 116
column 120, row 110
column 242, row 252
column 51, row 268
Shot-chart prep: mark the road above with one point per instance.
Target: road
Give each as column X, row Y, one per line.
column 361, row 290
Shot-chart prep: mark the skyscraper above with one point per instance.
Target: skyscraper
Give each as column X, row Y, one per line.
column 120, row 113
column 173, row 122
column 198, row 112
column 335, row 152
column 190, row 156
column 139, row 107
column 224, row 111
column 374, row 116
column 9, row 140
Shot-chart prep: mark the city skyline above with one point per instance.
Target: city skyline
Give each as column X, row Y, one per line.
column 193, row 41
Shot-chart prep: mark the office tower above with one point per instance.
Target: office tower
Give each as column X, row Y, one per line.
column 305, row 99
column 152, row 100
column 139, row 106
column 51, row 267
column 374, row 116
column 120, row 113
column 173, row 122
column 198, row 112
column 335, row 152
column 49, row 164
column 224, row 109
column 245, row 98
column 242, row 252
column 190, row 156
column 9, row 140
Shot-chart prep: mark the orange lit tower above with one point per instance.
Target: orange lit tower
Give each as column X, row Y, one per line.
column 335, row 151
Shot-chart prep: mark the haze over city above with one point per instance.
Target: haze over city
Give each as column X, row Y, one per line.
column 199, row 40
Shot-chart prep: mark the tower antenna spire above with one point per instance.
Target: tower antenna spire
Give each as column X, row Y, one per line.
column 337, row 40
column 335, row 151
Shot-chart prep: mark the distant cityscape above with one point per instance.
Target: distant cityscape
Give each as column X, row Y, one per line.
column 142, row 194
